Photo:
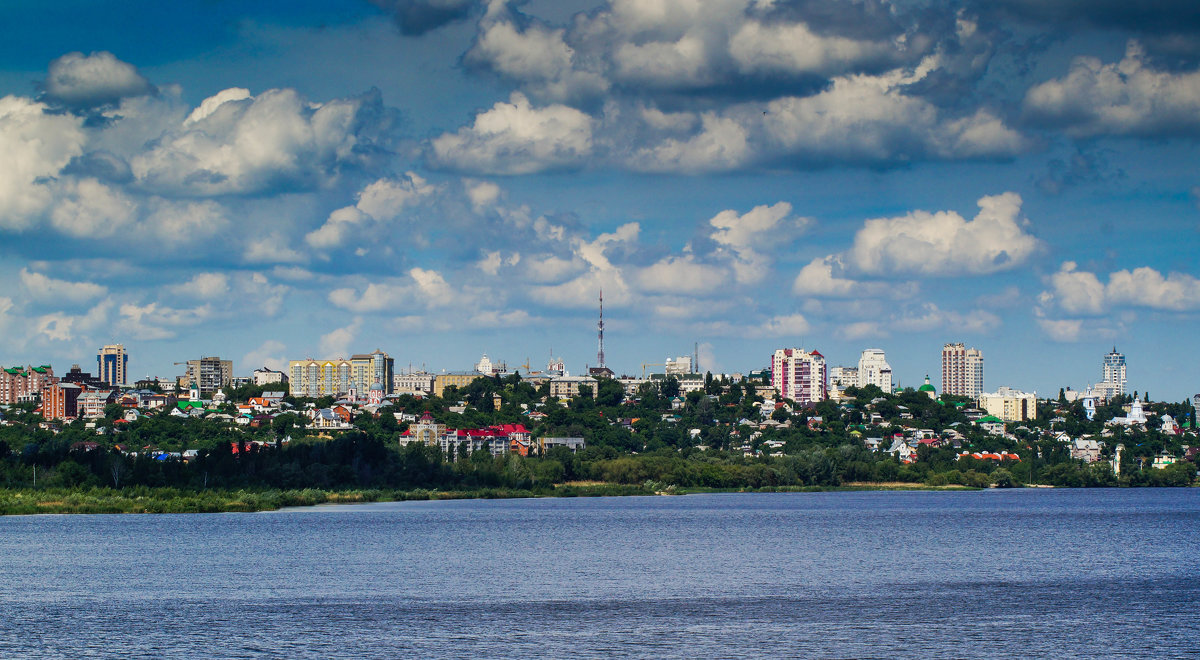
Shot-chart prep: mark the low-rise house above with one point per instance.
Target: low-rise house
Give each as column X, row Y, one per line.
column 263, row 404
column 1086, row 449
column 190, row 407
column 953, row 435
column 158, row 401
column 902, row 450
column 991, row 424
column 326, row 419
column 574, row 444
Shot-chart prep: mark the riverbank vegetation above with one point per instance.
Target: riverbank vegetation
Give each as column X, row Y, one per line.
column 722, row 438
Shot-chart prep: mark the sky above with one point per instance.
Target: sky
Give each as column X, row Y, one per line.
column 446, row 178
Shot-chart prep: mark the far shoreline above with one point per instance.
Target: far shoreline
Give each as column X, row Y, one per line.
column 16, row 502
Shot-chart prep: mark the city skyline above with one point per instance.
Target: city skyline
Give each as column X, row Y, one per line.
column 362, row 369
column 446, row 179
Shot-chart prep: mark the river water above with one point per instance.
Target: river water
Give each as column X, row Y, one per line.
column 1050, row 573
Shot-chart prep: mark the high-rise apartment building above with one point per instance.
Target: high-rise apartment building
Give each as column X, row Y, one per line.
column 112, row 365
column 210, row 374
column 839, row 379
column 799, row 375
column 873, row 369
column 843, row 377
column 962, row 370
column 1114, row 374
column 28, row 384
column 314, row 378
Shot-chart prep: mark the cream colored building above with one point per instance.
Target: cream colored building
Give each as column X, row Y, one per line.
column 1010, row 405
column 424, row 431
column 567, row 387
column 419, row 382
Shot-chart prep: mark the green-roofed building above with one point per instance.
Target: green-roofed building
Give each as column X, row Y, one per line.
column 928, row 389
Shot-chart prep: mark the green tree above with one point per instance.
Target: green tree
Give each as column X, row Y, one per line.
column 1002, row 478
column 283, row 424
column 113, row 411
column 609, row 392
column 669, row 387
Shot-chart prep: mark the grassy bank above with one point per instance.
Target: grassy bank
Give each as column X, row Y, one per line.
column 820, row 489
column 173, row 500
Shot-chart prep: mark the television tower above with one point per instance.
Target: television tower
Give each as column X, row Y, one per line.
column 600, row 332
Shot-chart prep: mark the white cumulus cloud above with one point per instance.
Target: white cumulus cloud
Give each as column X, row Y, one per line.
column 82, row 80
column 1080, row 292
column 518, row 138
column 42, row 288
column 945, row 243
column 1128, row 97
column 824, row 277
column 239, row 144
column 36, row 145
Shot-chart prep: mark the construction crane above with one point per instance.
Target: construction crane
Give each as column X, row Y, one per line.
column 651, row 364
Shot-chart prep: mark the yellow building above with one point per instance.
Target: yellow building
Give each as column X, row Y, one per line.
column 457, row 379
column 316, row 378
column 1010, row 405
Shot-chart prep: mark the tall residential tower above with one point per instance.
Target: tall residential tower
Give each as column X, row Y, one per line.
column 209, row 374
column 799, row 375
column 873, row 369
column 1114, row 369
column 112, row 365
column 962, row 370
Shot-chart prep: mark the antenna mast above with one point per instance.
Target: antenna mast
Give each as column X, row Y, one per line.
column 600, row 332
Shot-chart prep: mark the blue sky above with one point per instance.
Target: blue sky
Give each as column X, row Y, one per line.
column 440, row 178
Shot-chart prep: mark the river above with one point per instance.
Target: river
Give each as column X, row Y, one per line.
column 1039, row 572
